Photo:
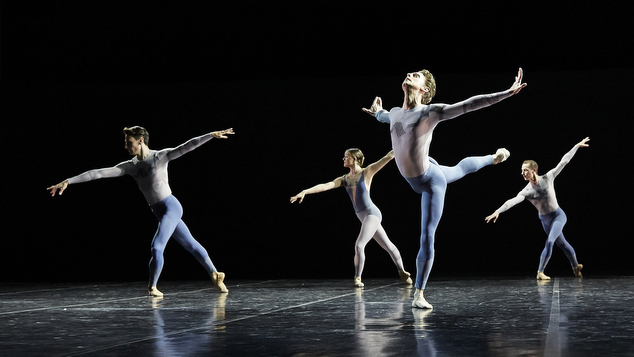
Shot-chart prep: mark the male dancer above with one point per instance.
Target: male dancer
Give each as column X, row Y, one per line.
column 411, row 129
column 149, row 170
column 540, row 191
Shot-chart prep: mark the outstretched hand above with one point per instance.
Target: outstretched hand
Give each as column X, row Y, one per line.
column 518, row 85
column 494, row 216
column 60, row 186
column 377, row 105
column 222, row 133
column 299, row 196
column 582, row 143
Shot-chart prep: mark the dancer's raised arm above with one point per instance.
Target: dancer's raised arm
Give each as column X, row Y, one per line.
column 193, row 143
column 376, row 166
column 569, row 155
column 450, row 111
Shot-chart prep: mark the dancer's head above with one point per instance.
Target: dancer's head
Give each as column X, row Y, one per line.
column 135, row 137
column 351, row 156
column 529, row 170
column 423, row 82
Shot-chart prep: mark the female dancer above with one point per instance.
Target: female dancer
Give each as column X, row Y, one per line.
column 540, row 191
column 357, row 182
column 411, row 129
column 149, row 170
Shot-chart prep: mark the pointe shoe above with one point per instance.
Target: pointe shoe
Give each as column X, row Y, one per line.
column 577, row 270
column 419, row 301
column 405, row 276
column 217, row 278
column 358, row 283
column 542, row 276
column 153, row 291
column 500, row 156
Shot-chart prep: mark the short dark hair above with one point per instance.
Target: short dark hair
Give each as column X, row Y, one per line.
column 138, row 132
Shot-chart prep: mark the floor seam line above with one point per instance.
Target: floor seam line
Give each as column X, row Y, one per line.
column 552, row 346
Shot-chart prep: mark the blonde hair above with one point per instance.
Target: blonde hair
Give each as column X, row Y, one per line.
column 430, row 81
column 531, row 164
column 357, row 155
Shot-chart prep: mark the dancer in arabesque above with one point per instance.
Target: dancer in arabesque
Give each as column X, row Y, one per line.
column 411, row 129
column 149, row 170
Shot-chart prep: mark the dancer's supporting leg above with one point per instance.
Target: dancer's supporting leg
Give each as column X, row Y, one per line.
column 432, row 186
column 369, row 225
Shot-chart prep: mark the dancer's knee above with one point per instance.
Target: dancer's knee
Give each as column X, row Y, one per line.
column 157, row 251
column 425, row 253
column 359, row 248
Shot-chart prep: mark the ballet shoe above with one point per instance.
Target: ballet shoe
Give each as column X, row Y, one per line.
column 358, row 283
column 218, row 280
column 405, row 276
column 500, row 156
column 419, row 301
column 542, row 276
column 153, row 291
column 577, row 270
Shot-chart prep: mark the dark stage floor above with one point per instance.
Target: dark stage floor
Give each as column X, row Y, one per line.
column 471, row 317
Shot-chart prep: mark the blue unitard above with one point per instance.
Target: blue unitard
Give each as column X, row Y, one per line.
column 151, row 177
column 411, row 132
column 542, row 196
column 432, row 185
column 370, row 217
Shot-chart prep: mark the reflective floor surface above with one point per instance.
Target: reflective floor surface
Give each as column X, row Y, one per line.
column 471, row 317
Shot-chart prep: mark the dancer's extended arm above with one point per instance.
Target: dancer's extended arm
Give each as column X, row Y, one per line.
column 566, row 159
column 508, row 204
column 90, row 175
column 373, row 168
column 450, row 111
column 318, row 188
column 192, row 144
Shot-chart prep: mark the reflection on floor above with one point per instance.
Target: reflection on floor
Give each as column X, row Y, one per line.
column 471, row 317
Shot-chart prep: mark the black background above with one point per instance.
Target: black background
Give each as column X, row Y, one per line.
column 291, row 79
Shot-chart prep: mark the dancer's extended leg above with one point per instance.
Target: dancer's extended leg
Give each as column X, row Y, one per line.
column 465, row 166
column 569, row 251
column 381, row 237
column 185, row 238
